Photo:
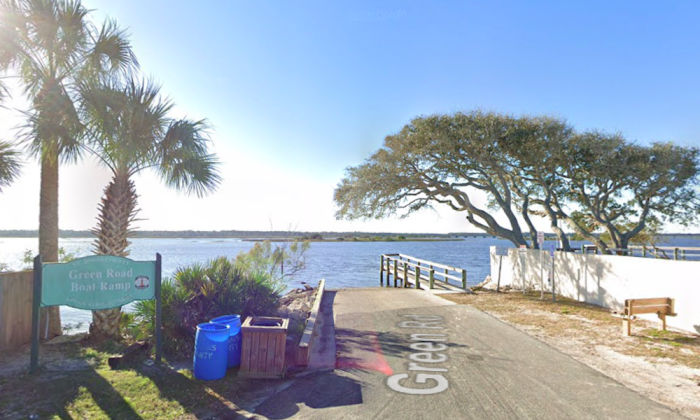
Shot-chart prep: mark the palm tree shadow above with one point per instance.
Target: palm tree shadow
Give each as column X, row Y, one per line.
column 323, row 390
column 110, row 401
column 192, row 394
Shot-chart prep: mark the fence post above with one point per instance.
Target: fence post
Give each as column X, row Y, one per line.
column 396, row 271
column 36, row 304
column 644, row 251
column 675, row 253
column 464, row 279
column 418, row 277
column 381, row 271
column 431, row 277
column 683, row 254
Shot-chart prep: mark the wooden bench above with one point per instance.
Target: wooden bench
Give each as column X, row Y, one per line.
column 660, row 306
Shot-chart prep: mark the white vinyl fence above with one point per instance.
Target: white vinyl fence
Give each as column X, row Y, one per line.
column 605, row 280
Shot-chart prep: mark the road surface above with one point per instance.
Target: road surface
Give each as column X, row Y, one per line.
column 472, row 366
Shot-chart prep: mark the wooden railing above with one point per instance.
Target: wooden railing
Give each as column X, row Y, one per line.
column 665, row 252
column 411, row 271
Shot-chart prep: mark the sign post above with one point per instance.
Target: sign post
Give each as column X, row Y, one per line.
column 551, row 274
column 522, row 254
column 93, row 283
column 540, row 241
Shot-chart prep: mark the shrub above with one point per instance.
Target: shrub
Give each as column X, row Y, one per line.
column 200, row 292
column 283, row 260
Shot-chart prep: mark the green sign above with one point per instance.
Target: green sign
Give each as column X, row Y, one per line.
column 95, row 282
column 98, row 282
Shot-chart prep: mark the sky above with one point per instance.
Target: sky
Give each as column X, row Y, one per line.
column 299, row 91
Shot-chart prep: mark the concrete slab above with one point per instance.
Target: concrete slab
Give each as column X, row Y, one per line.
column 371, row 300
column 491, row 370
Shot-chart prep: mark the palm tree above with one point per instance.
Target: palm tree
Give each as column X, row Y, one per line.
column 130, row 131
column 9, row 165
column 49, row 45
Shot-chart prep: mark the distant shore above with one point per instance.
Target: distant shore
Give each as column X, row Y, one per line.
column 256, row 235
column 284, row 235
column 357, row 240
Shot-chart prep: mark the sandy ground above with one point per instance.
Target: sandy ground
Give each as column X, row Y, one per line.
column 663, row 366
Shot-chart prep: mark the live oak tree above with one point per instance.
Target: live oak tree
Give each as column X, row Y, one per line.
column 532, row 152
column 439, row 159
column 49, row 46
column 130, row 131
column 618, row 187
column 528, row 166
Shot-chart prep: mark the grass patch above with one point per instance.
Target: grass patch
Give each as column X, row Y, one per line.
column 590, row 324
column 95, row 391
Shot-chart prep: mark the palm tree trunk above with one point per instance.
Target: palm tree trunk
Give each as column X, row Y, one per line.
column 48, row 233
column 117, row 211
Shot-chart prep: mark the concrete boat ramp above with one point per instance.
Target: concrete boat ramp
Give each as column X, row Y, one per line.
column 407, row 354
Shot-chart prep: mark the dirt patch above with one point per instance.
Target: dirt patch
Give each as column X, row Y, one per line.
column 662, row 365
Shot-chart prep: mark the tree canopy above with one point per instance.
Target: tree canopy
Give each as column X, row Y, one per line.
column 590, row 182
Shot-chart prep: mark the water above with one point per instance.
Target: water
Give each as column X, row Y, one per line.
column 342, row 264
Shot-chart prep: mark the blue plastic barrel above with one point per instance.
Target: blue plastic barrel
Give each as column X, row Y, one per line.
column 235, row 337
column 210, row 351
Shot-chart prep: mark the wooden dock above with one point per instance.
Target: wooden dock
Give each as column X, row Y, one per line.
column 408, row 271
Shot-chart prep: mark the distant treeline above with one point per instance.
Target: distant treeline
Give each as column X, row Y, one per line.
column 278, row 234
column 230, row 234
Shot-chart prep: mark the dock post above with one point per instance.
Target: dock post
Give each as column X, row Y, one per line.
column 405, row 274
column 396, row 272
column 431, row 278
column 464, row 279
column 418, row 278
column 388, row 270
column 381, row 272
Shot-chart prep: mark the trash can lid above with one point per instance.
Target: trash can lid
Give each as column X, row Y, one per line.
column 226, row 319
column 213, row 327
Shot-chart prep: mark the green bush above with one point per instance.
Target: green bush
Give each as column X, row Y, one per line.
column 200, row 292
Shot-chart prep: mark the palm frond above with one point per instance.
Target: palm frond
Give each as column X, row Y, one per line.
column 10, row 47
column 4, row 92
column 9, row 164
column 53, row 125
column 112, row 51
column 125, row 121
column 72, row 39
column 43, row 18
column 185, row 163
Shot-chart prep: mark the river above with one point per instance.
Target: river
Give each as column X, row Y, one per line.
column 342, row 264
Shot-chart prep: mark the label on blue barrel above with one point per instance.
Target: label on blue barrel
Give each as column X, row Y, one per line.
column 205, row 353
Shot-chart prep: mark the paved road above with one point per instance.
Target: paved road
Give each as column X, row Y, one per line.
column 484, row 369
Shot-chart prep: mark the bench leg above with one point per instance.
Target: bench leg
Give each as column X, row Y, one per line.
column 663, row 320
column 626, row 327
